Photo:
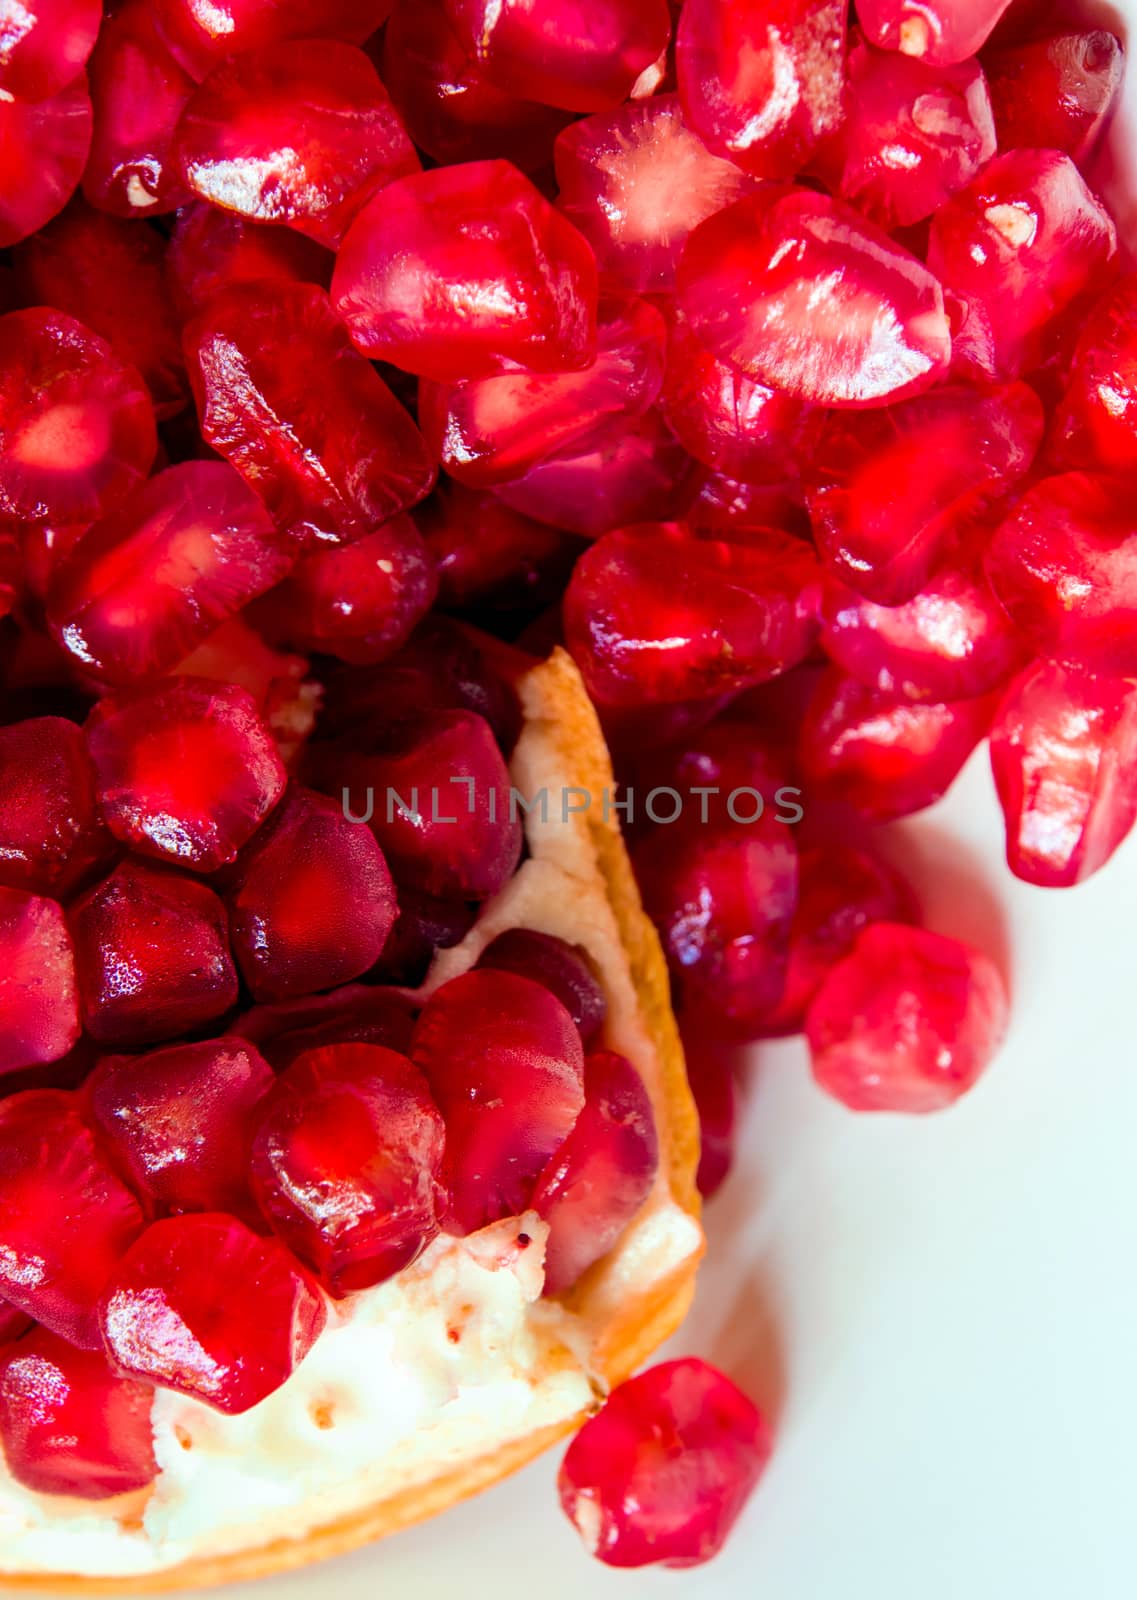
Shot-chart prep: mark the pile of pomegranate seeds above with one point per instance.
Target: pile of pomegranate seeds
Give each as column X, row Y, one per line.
column 354, row 354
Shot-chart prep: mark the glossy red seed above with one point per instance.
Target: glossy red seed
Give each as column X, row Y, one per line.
column 721, row 769
column 1055, row 93
column 45, row 45
column 714, row 501
column 43, row 150
column 662, row 1473
column 71, row 1426
column 467, row 271
column 710, row 1073
column 204, row 1306
column 564, row 969
column 211, row 251
column 424, row 926
column 358, row 1013
column 805, row 295
column 65, row 1219
column 202, row 33
column 938, row 31
column 51, row 834
column 1013, row 249
column 1094, row 425
column 39, row 1008
column 506, row 1066
column 906, row 1022
column 156, row 577
column 490, row 558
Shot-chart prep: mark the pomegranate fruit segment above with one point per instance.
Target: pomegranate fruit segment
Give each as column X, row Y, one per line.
column 913, row 134
column 43, row 150
column 359, row 1013
column 69, row 1425
column 178, row 1123
column 464, row 272
column 313, row 901
column 1095, row 424
column 602, row 1174
column 346, row 1163
column 39, row 1003
column 906, row 1022
column 152, row 581
column 891, row 493
column 44, row 45
column 662, row 1473
column 505, row 1064
column 490, row 558
column 710, row 1074
column 1013, row 250
column 1064, row 755
column 65, row 1218
column 942, row 32
column 186, row 772
column 636, row 181
column 202, row 1305
column 1055, row 93
column 210, row 251
column 1065, row 566
column 761, row 81
column 51, row 833
column 581, row 55
column 564, row 969
column 306, row 421
column 76, row 425
column 808, row 297
column 496, row 429
column 202, row 33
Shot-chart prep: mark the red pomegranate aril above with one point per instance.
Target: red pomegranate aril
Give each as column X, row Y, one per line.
column 906, row 1022
column 1055, row 93
column 464, row 272
column 69, row 1425
column 710, row 1073
column 1064, row 755
column 45, row 45
column 153, row 580
column 1095, row 424
column 178, row 1123
column 1013, row 250
column 43, row 150
column 13, row 1324
column 720, row 769
column 716, row 502
column 359, row 1013
column 39, row 1003
column 202, row 33
column 51, row 833
column 892, row 492
column 210, row 251
column 204, row 1306
column 347, row 1163
column 805, row 295
column 424, row 926
column 942, row 32
column 600, row 1177
column 506, row 1066
column 490, row 558
column 65, row 1218
column 662, row 1473
column 235, row 654
column 564, row 969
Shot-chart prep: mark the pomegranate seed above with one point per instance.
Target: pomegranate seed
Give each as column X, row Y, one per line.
column 13, row 1324
column 69, row 1425
column 65, row 1219
column 506, row 1066
column 356, row 1014
column 42, row 50
column 39, row 1005
column 941, row 32
column 202, row 1305
column 892, row 492
column 906, row 1022
column 1094, row 423
column 467, row 271
column 1055, row 93
column 307, row 422
column 805, row 295
column 707, row 765
column 202, row 33
column 211, row 251
column 663, row 1472
column 43, row 150
column 581, row 55
column 710, row 1073
column 635, row 182
column 762, row 83
column 347, row 1161
column 564, row 969
column 179, row 1122
column 1064, row 754
column 722, row 504
column 51, row 834
column 234, row 654
column 186, row 771
column 424, row 926
column 1013, row 249
column 1065, row 566
column 153, row 580
column 491, row 558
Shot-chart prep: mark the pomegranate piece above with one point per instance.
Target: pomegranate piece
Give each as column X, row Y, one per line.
column 43, row 150
column 886, row 757
column 424, row 926
column 76, row 425
column 635, row 181
column 202, row 1305
column 564, row 969
column 891, row 493
column 906, row 1022
column 65, row 1219
column 69, row 1425
column 359, row 1013
column 39, row 1003
column 722, row 770
column 43, row 47
column 186, row 771
column 154, row 579
column 1055, row 93
column 202, row 33
column 1013, row 250
column 505, row 1064
column 761, row 82
column 710, row 1073
column 13, row 1324
column 662, row 1473
column 941, row 32
column 491, row 558
column 306, row 421
column 496, row 429
column 913, row 135
column 1096, row 422
column 51, row 834
column 211, row 251
column 464, row 272
column 581, row 55
column 654, row 614
column 805, row 295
